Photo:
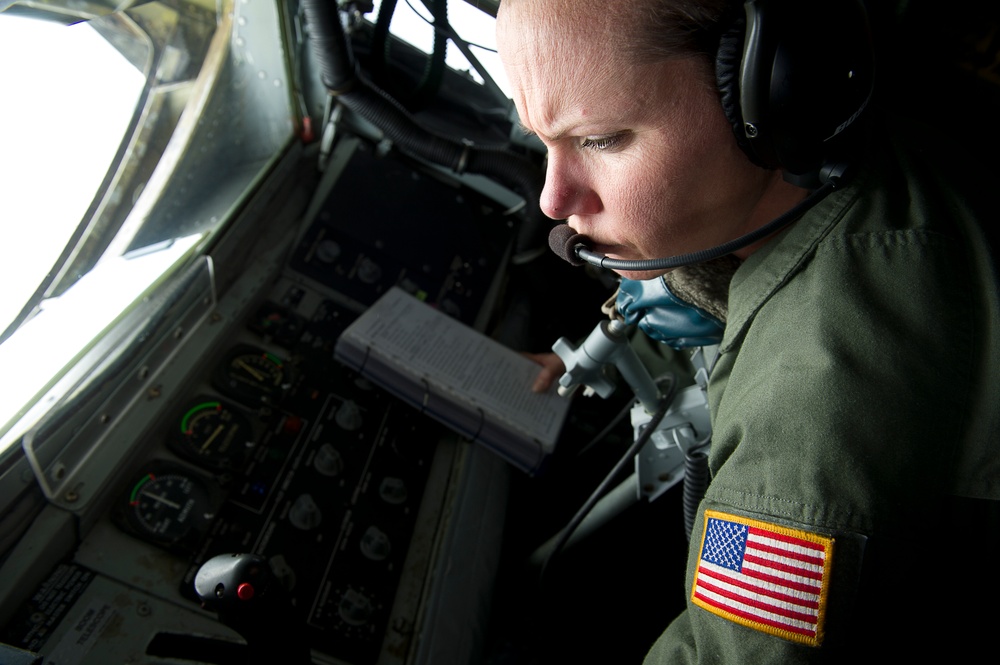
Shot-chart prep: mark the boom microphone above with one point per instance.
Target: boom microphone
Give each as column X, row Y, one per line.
column 564, row 241
column 571, row 246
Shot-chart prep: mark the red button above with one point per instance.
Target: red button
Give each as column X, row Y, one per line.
column 293, row 424
column 244, row 591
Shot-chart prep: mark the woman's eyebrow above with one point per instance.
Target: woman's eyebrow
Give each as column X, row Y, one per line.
column 559, row 134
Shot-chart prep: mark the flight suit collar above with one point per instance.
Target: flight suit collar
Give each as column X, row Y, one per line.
column 765, row 271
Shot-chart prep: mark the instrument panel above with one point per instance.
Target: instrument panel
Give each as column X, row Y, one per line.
column 278, row 450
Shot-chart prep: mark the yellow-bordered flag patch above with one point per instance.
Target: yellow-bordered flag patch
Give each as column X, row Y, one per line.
column 764, row 576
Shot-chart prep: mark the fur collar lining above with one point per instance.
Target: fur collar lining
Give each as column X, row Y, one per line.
column 705, row 285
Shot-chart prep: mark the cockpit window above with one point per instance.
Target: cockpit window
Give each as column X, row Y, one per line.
column 472, row 45
column 130, row 137
column 61, row 124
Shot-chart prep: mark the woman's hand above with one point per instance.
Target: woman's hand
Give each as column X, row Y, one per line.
column 552, row 368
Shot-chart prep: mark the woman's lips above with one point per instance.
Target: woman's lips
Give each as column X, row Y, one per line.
column 612, row 251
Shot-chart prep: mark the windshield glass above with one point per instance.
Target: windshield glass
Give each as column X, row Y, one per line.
column 473, row 45
column 60, row 133
column 129, row 139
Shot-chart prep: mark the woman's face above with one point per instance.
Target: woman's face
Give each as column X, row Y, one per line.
column 641, row 158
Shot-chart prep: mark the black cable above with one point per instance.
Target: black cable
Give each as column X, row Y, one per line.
column 622, row 413
column 433, row 74
column 607, row 429
column 380, row 41
column 589, row 504
column 447, row 30
column 704, row 255
column 696, row 480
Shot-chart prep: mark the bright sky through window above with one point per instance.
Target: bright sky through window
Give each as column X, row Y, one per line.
column 410, row 23
column 68, row 98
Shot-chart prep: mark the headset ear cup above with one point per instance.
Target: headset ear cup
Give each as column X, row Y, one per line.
column 804, row 81
column 728, row 60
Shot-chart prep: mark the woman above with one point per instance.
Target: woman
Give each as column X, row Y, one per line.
column 854, row 427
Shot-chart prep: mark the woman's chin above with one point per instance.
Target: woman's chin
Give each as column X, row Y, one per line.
column 639, row 275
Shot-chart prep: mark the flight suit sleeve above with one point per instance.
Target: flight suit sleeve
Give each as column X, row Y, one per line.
column 763, row 592
column 839, row 404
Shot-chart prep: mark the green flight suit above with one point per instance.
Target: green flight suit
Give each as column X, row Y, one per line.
column 855, row 406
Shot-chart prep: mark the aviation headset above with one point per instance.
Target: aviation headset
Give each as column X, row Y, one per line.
column 794, row 76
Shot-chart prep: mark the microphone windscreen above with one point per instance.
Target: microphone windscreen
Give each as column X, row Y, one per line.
column 562, row 240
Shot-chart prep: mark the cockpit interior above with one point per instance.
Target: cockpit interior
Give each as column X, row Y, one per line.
column 199, row 197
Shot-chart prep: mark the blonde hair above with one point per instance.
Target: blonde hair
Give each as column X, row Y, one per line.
column 656, row 29
column 679, row 28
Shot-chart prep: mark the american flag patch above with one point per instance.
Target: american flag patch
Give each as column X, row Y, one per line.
column 764, row 576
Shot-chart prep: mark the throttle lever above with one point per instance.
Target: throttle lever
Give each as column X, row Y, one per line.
column 243, row 590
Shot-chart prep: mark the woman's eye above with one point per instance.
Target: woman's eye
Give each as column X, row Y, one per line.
column 603, row 142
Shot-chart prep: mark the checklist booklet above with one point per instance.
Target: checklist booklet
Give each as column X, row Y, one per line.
column 458, row 376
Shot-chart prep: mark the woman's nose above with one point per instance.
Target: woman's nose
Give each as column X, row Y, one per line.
column 567, row 189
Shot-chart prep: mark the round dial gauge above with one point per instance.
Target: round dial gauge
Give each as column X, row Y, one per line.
column 167, row 505
column 252, row 376
column 212, row 434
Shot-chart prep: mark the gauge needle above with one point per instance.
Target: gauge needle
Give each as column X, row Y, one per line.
column 250, row 370
column 207, row 443
column 157, row 497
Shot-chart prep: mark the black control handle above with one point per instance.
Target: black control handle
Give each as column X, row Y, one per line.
column 243, row 590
